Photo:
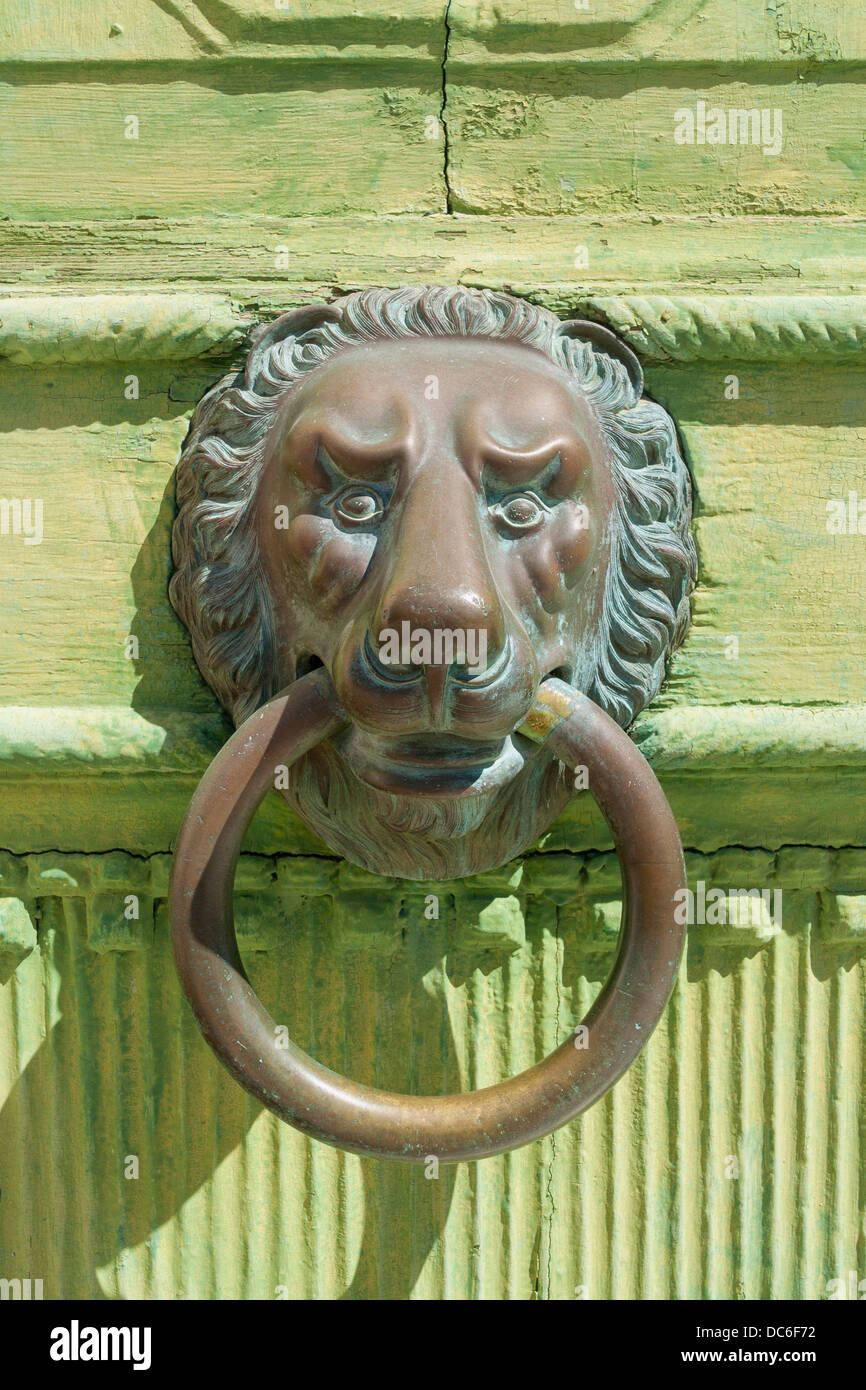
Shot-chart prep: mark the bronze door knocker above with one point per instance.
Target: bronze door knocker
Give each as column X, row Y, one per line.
column 433, row 549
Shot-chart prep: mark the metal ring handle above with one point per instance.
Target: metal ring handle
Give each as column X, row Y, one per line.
column 380, row 1123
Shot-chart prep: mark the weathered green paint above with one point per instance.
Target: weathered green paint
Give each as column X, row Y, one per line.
column 772, row 576
column 261, row 129
column 53, row 330
column 48, row 330
column 639, row 255
column 763, row 775
column 758, row 1059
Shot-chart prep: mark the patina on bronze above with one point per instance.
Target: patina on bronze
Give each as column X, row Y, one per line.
column 413, row 1128
column 431, row 517
column 441, row 464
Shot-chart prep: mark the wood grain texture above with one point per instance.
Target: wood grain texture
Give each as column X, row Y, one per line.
column 636, row 258
column 764, row 467
column 135, row 31
column 701, row 32
column 543, row 141
column 304, row 129
column 70, row 329
column 771, row 575
column 556, row 112
column 758, row 1056
column 536, row 31
column 229, row 140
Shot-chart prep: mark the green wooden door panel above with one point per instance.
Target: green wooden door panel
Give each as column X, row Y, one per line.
column 282, row 157
column 74, row 159
column 547, row 150
column 803, row 272
column 764, row 469
column 787, row 594
column 725, row 1164
column 136, row 31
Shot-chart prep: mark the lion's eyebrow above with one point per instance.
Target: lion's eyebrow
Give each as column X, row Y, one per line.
column 353, row 457
column 544, row 460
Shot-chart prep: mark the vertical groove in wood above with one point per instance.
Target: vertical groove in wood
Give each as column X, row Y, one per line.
column 752, row 1139
column 814, row 1061
column 18, row 1204
column 758, row 1062
column 718, row 1120
column 780, row 1245
column 73, row 1055
column 688, row 1086
column 845, row 1213
column 659, row 1141
column 857, row 996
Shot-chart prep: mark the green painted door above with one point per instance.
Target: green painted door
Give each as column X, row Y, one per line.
column 689, row 172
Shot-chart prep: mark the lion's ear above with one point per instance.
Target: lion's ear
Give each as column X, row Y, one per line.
column 288, row 325
column 603, row 340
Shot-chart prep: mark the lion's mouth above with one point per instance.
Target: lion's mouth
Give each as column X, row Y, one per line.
column 437, row 763
column 306, row 662
column 430, row 763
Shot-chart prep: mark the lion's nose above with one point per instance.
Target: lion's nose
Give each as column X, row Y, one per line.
column 439, row 615
column 456, row 644
column 453, row 630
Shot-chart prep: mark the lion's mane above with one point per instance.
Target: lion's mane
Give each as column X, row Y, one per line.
column 220, row 587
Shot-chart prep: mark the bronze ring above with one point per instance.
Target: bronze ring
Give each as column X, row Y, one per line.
column 380, row 1123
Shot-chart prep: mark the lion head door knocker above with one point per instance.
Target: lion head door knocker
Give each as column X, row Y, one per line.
column 433, row 550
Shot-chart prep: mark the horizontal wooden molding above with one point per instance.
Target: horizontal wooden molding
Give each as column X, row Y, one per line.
column 562, row 876
column 49, row 330
column 535, row 32
column 183, row 33
column 735, row 327
column 700, row 737
column 38, row 742
column 123, row 897
column 762, row 776
column 43, row 742
column 629, row 256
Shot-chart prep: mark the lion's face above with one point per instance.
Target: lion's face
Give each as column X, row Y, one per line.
column 423, row 492
column 439, row 521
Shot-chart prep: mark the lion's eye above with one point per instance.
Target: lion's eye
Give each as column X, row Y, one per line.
column 358, row 508
column 522, row 512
